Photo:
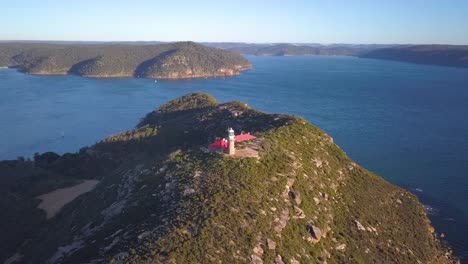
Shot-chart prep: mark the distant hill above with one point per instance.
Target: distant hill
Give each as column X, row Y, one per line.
column 162, row 61
column 295, row 50
column 163, row 197
column 444, row 55
column 151, row 59
column 304, row 49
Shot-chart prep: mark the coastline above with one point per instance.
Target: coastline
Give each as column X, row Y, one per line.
column 221, row 74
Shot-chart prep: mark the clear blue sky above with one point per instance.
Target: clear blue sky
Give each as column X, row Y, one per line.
column 325, row 21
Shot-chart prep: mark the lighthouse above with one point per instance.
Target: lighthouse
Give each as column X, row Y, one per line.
column 231, row 140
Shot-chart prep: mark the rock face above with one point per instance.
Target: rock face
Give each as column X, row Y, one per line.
column 162, row 199
column 163, row 61
column 315, row 232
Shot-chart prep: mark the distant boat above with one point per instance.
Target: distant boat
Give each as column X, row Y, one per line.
column 155, row 80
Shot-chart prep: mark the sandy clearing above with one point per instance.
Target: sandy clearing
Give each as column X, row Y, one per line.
column 53, row 201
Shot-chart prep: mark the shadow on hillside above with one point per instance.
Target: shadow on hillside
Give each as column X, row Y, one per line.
column 81, row 67
column 143, row 70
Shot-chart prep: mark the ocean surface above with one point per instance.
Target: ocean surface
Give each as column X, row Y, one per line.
column 406, row 122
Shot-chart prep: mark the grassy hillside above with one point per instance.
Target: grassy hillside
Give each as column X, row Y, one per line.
column 163, row 198
column 162, row 61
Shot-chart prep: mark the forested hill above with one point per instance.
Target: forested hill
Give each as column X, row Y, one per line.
column 301, row 50
column 162, row 61
column 444, row 55
column 161, row 196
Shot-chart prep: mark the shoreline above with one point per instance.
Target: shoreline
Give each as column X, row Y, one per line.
column 186, row 77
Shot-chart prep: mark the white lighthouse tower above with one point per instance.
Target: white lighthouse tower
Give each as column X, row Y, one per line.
column 231, row 140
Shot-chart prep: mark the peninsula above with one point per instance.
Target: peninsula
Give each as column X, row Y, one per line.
column 160, row 61
column 174, row 191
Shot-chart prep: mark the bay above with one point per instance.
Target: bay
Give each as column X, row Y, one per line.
column 405, row 122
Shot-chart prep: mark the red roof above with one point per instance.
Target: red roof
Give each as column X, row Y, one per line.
column 219, row 144
column 239, row 138
column 244, row 137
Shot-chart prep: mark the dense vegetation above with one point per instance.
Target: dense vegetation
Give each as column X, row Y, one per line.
column 163, row 198
column 163, row 61
column 444, row 55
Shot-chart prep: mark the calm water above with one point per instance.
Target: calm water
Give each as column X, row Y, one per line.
column 408, row 123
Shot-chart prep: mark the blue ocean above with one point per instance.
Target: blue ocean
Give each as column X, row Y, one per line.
column 408, row 123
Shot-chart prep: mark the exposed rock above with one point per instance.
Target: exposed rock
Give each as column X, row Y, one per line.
column 278, row 260
column 258, row 250
column 290, row 182
column 296, row 196
column 299, row 213
column 341, row 247
column 256, row 259
column 294, row 261
column 316, row 200
column 431, row 229
column 318, row 162
column 359, row 225
column 280, row 223
column 325, row 196
column 315, row 232
column 271, row 244
column 287, row 188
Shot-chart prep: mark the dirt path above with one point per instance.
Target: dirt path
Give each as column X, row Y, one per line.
column 52, row 202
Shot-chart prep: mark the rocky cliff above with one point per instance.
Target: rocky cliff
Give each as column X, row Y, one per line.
column 163, row 197
column 163, row 61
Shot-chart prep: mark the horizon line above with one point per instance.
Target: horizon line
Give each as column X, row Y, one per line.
column 241, row 42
